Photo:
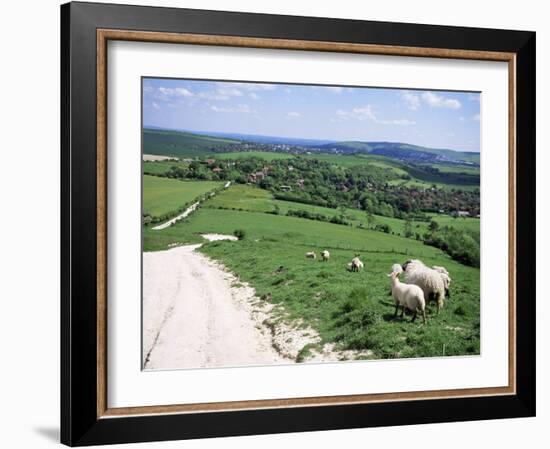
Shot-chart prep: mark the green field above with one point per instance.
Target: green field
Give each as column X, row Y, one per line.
column 161, row 167
column 250, row 198
column 180, row 144
column 352, row 310
column 163, row 197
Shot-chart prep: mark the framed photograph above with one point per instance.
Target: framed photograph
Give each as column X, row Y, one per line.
column 279, row 224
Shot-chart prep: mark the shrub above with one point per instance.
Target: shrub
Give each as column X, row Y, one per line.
column 239, row 233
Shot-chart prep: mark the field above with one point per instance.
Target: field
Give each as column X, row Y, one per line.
column 350, row 310
column 163, row 197
column 180, row 144
column 253, row 199
column 161, row 167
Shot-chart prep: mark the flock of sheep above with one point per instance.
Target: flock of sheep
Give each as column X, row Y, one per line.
column 422, row 283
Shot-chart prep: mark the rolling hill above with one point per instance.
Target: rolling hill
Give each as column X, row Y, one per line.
column 405, row 152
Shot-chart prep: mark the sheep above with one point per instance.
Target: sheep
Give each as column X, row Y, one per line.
column 325, row 255
column 428, row 279
column 356, row 264
column 311, row 255
column 396, row 268
column 446, row 279
column 407, row 295
column 441, row 269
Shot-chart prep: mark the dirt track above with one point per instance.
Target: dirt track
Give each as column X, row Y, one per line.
column 193, row 317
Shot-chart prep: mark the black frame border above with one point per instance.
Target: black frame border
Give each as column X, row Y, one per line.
column 80, row 424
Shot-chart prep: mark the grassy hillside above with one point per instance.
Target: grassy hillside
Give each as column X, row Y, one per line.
column 403, row 150
column 161, row 167
column 163, row 197
column 181, row 144
column 351, row 310
column 253, row 199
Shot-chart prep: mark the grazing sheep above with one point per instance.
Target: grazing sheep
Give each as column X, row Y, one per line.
column 356, row 264
column 441, row 269
column 396, row 268
column 325, row 255
column 311, row 255
column 428, row 279
column 407, row 295
column 446, row 279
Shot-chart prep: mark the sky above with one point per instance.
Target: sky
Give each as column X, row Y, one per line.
column 437, row 119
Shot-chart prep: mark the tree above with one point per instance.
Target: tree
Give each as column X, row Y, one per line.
column 433, row 226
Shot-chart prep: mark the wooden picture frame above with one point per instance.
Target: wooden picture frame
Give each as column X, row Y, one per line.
column 86, row 29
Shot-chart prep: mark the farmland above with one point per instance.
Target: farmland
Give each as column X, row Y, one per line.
column 249, row 198
column 350, row 310
column 163, row 197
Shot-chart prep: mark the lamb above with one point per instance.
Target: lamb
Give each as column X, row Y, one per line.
column 396, row 268
column 325, row 255
column 311, row 255
column 407, row 295
column 428, row 279
column 356, row 264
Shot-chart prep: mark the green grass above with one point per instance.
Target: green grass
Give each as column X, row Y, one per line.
column 254, row 199
column 161, row 167
column 164, row 196
column 265, row 155
column 352, row 310
column 180, row 144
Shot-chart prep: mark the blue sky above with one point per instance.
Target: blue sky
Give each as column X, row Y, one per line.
column 438, row 119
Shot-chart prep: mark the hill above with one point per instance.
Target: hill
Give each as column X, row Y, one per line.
column 405, row 152
column 182, row 144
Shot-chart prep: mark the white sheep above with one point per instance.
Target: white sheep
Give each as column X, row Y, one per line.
column 396, row 268
column 428, row 279
column 311, row 255
column 446, row 279
column 441, row 269
column 407, row 295
column 325, row 255
column 356, row 264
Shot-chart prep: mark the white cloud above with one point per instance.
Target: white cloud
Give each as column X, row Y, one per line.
column 402, row 122
column 412, row 100
column 222, row 92
column 439, row 101
column 242, row 108
column 155, row 105
column 174, row 93
column 476, row 118
column 367, row 113
column 254, row 96
column 293, row 114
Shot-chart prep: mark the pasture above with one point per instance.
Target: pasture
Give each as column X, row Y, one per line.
column 180, row 143
column 161, row 167
column 163, row 197
column 253, row 199
column 350, row 310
